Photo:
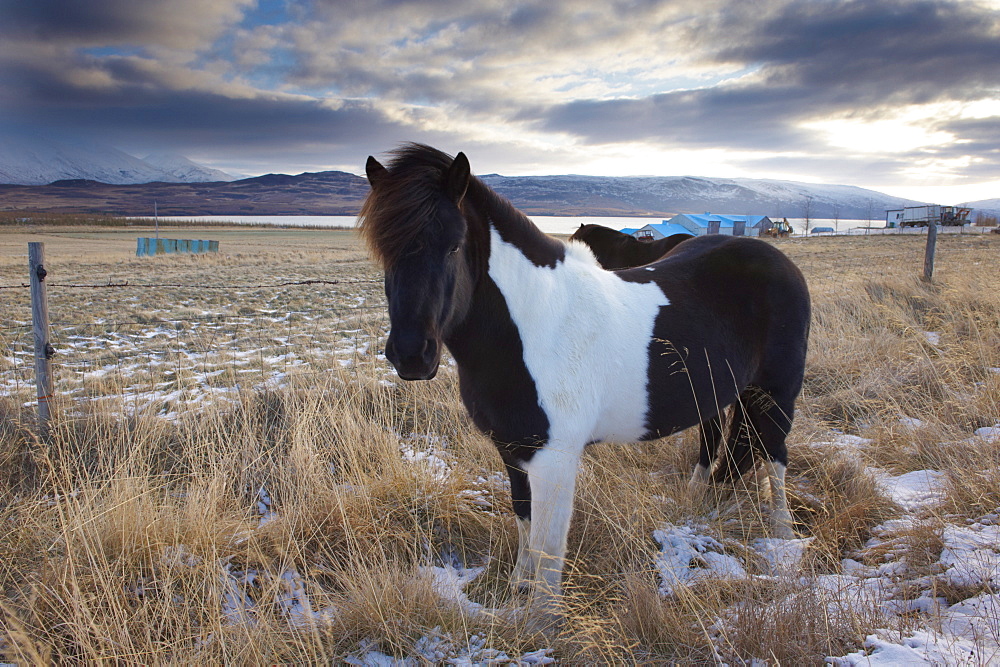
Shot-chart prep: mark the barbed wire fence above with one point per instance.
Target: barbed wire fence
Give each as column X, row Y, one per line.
column 186, row 354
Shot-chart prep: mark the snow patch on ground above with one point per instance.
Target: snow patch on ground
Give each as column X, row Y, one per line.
column 921, row 627
column 782, row 556
column 919, row 648
column 913, row 490
column 439, row 648
column 989, row 433
column 450, row 583
column 966, row 633
column 688, row 555
column 427, row 453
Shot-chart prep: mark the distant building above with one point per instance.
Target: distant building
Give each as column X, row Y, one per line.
column 707, row 223
column 658, row 230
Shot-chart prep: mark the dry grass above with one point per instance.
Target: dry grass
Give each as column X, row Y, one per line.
column 131, row 537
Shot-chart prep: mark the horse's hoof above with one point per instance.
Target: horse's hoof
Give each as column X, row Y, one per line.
column 784, row 533
column 698, row 491
column 545, row 615
column 520, row 586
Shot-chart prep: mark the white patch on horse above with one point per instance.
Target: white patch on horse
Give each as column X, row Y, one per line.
column 585, row 334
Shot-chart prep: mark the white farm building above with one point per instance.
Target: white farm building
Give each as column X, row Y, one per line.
column 706, row 223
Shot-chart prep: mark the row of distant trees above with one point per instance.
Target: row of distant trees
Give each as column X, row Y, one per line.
column 807, row 212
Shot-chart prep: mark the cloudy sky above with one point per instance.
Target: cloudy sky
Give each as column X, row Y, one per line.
column 898, row 95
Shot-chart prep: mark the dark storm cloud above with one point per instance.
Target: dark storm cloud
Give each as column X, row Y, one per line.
column 868, row 49
column 981, row 136
column 143, row 108
column 737, row 117
column 204, row 122
column 116, row 22
column 810, row 59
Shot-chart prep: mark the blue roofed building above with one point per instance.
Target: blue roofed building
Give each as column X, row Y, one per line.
column 658, row 230
column 707, row 223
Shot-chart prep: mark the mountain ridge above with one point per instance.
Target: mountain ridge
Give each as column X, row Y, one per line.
column 341, row 193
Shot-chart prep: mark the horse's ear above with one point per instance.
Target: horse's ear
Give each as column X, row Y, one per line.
column 376, row 172
column 458, row 178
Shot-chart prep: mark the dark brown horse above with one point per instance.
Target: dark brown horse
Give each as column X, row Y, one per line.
column 618, row 250
column 553, row 352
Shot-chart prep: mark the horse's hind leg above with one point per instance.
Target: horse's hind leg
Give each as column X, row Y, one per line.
column 710, row 435
column 772, row 421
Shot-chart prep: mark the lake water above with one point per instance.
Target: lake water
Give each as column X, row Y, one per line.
column 550, row 224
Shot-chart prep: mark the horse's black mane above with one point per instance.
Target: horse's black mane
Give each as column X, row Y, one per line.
column 395, row 212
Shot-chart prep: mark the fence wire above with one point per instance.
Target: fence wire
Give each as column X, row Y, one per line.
column 166, row 358
column 165, row 346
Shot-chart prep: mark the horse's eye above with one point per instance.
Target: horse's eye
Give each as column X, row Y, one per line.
column 455, row 248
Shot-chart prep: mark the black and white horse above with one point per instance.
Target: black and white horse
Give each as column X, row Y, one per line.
column 553, row 352
column 618, row 250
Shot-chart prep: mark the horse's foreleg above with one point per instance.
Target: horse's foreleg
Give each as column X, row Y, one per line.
column 552, row 475
column 520, row 494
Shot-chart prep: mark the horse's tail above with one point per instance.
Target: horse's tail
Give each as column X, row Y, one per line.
column 733, row 461
column 736, row 456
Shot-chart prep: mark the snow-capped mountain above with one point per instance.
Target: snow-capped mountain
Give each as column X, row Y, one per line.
column 185, row 170
column 688, row 194
column 37, row 161
column 986, row 206
column 339, row 193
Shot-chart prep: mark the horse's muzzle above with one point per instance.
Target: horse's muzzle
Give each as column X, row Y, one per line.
column 413, row 357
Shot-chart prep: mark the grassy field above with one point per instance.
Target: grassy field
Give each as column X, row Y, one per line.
column 236, row 475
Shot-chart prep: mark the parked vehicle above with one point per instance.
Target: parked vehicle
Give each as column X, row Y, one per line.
column 779, row 229
column 921, row 216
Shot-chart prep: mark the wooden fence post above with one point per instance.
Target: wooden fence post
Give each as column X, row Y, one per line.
column 40, row 329
column 929, row 252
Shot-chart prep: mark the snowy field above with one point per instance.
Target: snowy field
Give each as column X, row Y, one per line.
column 897, row 563
column 163, row 366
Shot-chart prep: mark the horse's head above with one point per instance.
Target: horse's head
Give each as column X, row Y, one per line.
column 413, row 222
column 581, row 233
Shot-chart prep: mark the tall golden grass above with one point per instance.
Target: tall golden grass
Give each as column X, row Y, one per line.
column 129, row 537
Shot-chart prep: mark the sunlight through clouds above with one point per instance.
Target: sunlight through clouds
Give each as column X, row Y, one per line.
column 876, row 93
column 879, row 136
